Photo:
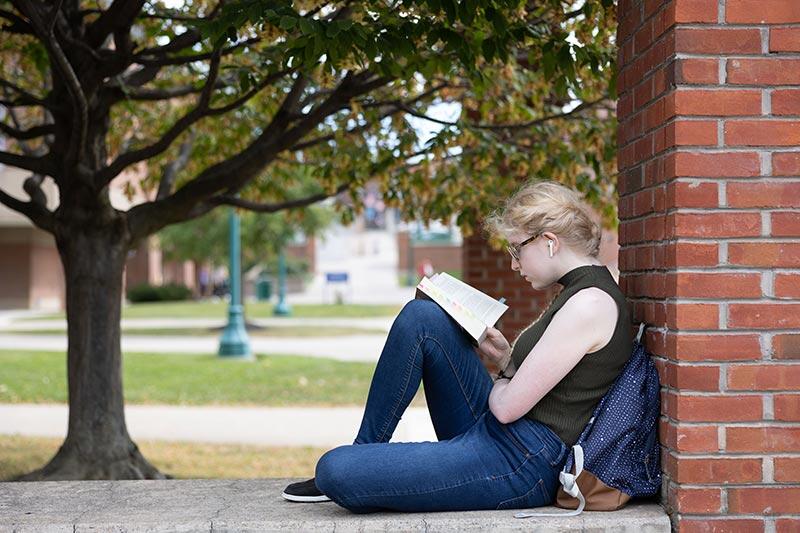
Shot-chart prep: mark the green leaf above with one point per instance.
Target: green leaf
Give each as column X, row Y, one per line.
column 306, row 26
column 332, row 30
column 287, row 23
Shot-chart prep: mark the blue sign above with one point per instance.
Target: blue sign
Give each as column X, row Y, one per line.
column 333, row 277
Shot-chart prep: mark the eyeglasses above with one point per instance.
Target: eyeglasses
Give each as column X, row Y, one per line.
column 514, row 249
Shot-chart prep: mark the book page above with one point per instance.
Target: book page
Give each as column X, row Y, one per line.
column 473, row 325
column 482, row 306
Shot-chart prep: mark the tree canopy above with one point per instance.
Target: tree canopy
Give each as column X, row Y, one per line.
column 209, row 95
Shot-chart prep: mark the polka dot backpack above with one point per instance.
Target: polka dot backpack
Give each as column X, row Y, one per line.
column 617, row 456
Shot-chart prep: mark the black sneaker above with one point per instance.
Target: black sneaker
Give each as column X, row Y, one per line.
column 304, row 491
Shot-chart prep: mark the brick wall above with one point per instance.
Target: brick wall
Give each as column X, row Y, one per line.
column 709, row 128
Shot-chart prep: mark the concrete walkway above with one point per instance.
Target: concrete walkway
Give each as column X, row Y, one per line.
column 266, row 426
column 381, row 323
column 365, row 348
column 256, row 505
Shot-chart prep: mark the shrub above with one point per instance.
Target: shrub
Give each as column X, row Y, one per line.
column 170, row 292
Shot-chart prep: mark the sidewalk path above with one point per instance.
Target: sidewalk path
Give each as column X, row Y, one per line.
column 383, row 323
column 268, row 426
column 365, row 348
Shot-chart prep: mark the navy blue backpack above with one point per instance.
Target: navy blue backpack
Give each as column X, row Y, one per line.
column 617, row 456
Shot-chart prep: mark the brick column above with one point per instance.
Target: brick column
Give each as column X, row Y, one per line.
column 709, row 128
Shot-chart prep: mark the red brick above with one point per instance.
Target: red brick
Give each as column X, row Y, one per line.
column 786, row 407
column 764, row 500
column 642, row 202
column 696, row 501
column 766, row 254
column 764, row 316
column 762, row 439
column 784, row 40
column 764, row 377
column 763, row 194
column 787, row 286
column 715, row 285
column 716, row 347
column 786, row 346
column 730, row 165
column 692, row 132
column 696, row 471
column 654, row 228
column 787, row 525
column 714, row 225
column 785, row 224
column 762, row 133
column 692, row 316
column 628, row 22
column 763, row 71
column 694, row 378
column 694, row 10
column 643, row 93
column 787, row 469
column 722, row 102
column 786, row 101
column 760, row 11
column 696, row 71
column 685, row 253
column 690, row 439
column 786, row 164
column 720, row 525
column 686, row 408
column 717, row 41
column 692, row 194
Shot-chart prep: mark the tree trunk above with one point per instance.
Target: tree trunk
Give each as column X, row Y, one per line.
column 97, row 445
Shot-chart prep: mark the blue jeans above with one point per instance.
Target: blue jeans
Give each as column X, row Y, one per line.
column 478, row 463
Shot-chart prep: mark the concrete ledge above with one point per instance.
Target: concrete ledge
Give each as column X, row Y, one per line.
column 256, row 505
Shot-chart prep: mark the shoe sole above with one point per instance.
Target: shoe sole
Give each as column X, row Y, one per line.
column 305, row 499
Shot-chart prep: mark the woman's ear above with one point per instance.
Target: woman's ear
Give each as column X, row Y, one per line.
column 551, row 242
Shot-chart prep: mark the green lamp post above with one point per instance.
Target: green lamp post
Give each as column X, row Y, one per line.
column 234, row 342
column 282, row 308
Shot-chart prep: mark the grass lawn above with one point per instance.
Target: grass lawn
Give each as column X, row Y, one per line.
column 274, row 380
column 19, row 455
column 271, row 331
column 219, row 309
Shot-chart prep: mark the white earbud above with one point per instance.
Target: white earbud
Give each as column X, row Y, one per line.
column 550, row 247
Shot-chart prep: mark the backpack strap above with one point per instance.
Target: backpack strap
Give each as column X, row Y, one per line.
column 570, row 486
column 641, row 330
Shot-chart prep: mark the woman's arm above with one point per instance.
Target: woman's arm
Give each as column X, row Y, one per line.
column 584, row 324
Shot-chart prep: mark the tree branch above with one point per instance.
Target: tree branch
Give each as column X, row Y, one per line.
column 18, row 24
column 119, row 16
column 80, row 106
column 38, row 214
column 201, row 110
column 30, row 133
column 233, row 173
column 393, row 109
column 278, row 206
column 171, row 170
column 141, row 57
column 25, row 96
column 39, row 165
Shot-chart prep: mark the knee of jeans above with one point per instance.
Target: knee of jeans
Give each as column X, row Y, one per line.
column 331, row 472
column 419, row 312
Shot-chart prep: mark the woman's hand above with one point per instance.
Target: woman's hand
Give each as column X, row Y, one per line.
column 495, row 348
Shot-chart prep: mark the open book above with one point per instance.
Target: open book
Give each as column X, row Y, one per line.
column 472, row 309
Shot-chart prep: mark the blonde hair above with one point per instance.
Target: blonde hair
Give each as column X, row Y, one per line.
column 540, row 206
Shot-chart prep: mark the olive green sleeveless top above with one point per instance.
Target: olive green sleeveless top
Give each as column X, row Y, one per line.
column 567, row 408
